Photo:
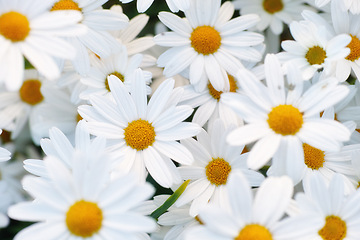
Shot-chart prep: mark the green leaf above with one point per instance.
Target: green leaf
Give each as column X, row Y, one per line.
column 169, row 202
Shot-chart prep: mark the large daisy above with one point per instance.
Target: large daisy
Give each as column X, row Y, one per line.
column 29, row 30
column 277, row 116
column 145, row 133
column 208, row 43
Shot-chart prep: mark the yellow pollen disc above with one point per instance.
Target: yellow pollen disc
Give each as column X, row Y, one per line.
column 198, row 220
column 14, row 26
column 65, row 5
column 358, row 186
column 205, row 40
column 30, row 92
column 285, row 120
column 334, row 228
column 358, row 130
column 314, row 157
column 254, row 232
column 83, row 219
column 217, row 171
column 216, row 94
column 354, row 46
column 118, row 75
column 139, row 134
column 78, row 118
column 273, row 6
column 315, row 55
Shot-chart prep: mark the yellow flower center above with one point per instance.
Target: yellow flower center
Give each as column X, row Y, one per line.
column 14, row 26
column 285, row 120
column 254, row 232
column 334, row 228
column 315, row 55
column 5, row 136
column 84, row 218
column 217, row 171
column 205, row 40
column 199, row 220
column 273, row 6
column 314, row 157
column 30, row 92
column 354, row 46
column 65, row 5
column 139, row 134
column 78, row 118
column 358, row 130
column 216, row 94
column 118, row 75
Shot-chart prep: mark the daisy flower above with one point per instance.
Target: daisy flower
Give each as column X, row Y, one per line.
column 281, row 118
column 208, row 43
column 83, row 203
column 98, row 22
column 214, row 162
column 273, row 13
column 174, row 5
column 30, row 31
column 146, row 133
column 313, row 49
column 254, row 218
column 340, row 213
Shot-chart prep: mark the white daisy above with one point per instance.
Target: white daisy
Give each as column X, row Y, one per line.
column 313, row 48
column 254, row 218
column 30, row 31
column 174, row 5
column 145, row 133
column 208, row 43
column 98, row 23
column 70, row 199
column 278, row 117
column 214, row 162
column 273, row 13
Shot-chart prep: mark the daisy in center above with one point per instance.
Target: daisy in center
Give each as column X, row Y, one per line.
column 144, row 135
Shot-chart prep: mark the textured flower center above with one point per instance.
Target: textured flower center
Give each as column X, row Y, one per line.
column 285, row 119
column 78, row 118
column 217, row 171
column 216, row 94
column 334, row 228
column 30, row 92
column 14, row 26
column 315, row 55
column 139, row 134
column 199, row 220
column 273, row 6
column 254, row 232
column 358, row 130
column 84, row 218
column 65, row 5
column 354, row 46
column 314, row 157
column 118, row 75
column 205, row 40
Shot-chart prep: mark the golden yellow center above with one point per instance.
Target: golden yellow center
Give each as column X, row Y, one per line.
column 65, row 5
column 83, row 219
column 315, row 55
column 30, row 92
column 199, row 220
column 118, row 75
column 314, row 157
column 334, row 228
column 217, row 171
column 358, row 130
column 273, row 6
column 205, row 40
column 254, row 232
column 78, row 118
column 14, row 26
column 139, row 134
column 354, row 46
column 285, row 120
column 216, row 94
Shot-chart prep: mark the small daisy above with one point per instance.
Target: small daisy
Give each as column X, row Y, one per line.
column 70, row 199
column 254, row 218
column 278, row 117
column 214, row 162
column 208, row 43
column 312, row 49
column 30, row 31
column 174, row 5
column 273, row 13
column 146, row 133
